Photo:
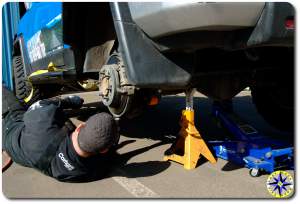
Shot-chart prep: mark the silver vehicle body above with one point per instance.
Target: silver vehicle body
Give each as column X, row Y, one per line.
column 163, row 18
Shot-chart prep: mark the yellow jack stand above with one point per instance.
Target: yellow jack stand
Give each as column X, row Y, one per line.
column 190, row 141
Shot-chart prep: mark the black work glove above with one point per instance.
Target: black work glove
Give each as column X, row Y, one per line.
column 72, row 101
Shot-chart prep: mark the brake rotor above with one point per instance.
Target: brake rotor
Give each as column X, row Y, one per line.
column 117, row 102
column 109, row 83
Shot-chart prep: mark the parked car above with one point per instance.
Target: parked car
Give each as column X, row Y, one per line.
column 137, row 51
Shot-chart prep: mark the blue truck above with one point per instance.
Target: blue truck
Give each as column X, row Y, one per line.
column 137, row 51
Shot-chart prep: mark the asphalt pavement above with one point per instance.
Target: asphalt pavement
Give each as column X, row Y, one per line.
column 140, row 171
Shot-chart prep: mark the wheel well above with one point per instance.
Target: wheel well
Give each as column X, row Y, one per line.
column 86, row 25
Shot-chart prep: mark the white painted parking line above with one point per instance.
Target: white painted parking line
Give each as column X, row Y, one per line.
column 133, row 186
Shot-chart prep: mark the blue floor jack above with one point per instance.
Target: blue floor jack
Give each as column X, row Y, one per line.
column 248, row 147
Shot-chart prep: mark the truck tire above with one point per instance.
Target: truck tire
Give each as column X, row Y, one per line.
column 22, row 88
column 276, row 109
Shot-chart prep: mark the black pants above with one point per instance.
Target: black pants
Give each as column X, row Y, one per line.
column 9, row 102
column 12, row 112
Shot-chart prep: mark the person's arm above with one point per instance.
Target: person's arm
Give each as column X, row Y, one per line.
column 72, row 101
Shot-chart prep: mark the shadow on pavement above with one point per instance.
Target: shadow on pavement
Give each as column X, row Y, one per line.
column 120, row 167
column 116, row 165
column 162, row 121
column 142, row 169
column 229, row 166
